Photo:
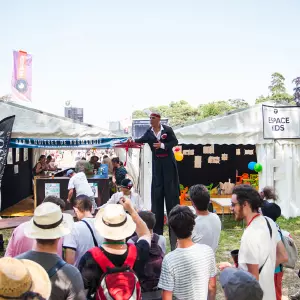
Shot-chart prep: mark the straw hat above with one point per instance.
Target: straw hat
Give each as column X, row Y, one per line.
column 113, row 223
column 18, row 276
column 48, row 222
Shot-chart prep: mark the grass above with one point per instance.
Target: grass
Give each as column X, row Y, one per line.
column 230, row 240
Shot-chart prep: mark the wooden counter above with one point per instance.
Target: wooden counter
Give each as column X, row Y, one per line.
column 59, row 186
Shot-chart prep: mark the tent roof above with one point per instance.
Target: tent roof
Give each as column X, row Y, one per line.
column 34, row 123
column 237, row 127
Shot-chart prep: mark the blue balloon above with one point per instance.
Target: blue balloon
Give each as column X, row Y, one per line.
column 251, row 165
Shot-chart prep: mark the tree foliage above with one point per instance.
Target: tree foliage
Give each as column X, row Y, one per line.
column 278, row 93
column 182, row 112
column 296, row 81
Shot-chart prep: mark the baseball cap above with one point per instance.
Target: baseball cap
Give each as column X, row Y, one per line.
column 69, row 172
column 126, row 183
column 241, row 285
column 271, row 210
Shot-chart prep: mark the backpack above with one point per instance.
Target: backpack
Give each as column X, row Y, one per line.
column 56, row 268
column 291, row 250
column 150, row 277
column 117, row 283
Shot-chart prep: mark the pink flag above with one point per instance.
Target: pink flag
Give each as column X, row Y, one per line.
column 21, row 83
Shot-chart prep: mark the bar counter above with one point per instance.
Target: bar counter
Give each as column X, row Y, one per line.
column 58, row 186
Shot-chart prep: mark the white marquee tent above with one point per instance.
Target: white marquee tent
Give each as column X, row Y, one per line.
column 33, row 123
column 280, row 158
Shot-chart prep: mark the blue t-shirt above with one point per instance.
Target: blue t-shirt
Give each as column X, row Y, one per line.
column 278, row 269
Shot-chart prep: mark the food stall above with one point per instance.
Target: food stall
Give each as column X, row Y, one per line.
column 35, row 131
column 58, row 186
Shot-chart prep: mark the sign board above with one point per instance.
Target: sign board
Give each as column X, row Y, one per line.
column 52, row 189
column 94, row 187
column 139, row 126
column 281, row 122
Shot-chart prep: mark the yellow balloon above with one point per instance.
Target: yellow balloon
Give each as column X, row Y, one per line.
column 178, row 156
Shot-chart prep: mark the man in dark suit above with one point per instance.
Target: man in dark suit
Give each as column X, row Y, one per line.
column 165, row 181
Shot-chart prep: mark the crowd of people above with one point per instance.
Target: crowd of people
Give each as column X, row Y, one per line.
column 114, row 253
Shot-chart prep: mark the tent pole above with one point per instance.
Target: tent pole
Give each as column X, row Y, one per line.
column 274, row 157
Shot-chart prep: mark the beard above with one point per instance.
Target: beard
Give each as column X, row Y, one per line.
column 239, row 216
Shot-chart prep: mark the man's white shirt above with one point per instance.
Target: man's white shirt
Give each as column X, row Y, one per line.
column 258, row 248
column 80, row 183
column 158, row 136
column 135, row 199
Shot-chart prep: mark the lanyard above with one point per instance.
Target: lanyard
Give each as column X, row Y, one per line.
column 253, row 219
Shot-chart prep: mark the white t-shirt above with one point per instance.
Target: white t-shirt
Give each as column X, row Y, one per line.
column 134, row 198
column 81, row 240
column 258, row 248
column 80, row 184
column 207, row 230
column 186, row 272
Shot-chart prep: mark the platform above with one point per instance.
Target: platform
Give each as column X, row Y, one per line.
column 23, row 208
column 13, row 222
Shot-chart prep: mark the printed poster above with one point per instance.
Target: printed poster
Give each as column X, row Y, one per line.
column 52, row 189
column 9, row 160
column 249, row 152
column 17, row 155
column 16, row 169
column 25, row 154
column 94, row 186
column 198, row 162
column 209, row 149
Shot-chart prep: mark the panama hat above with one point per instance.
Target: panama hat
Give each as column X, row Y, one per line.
column 48, row 222
column 18, row 276
column 113, row 223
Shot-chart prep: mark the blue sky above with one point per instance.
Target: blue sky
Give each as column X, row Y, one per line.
column 111, row 57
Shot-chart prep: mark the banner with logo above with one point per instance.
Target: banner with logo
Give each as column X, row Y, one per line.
column 22, row 76
column 103, row 143
column 6, row 126
column 281, row 122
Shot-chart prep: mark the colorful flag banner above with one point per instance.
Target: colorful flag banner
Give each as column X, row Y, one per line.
column 21, row 83
column 103, row 143
column 6, row 126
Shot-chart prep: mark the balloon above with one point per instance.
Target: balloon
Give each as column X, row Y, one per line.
column 178, row 156
column 258, row 167
column 251, row 165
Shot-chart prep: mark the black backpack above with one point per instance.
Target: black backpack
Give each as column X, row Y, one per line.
column 151, row 273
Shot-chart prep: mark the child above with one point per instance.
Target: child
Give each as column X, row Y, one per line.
column 149, row 277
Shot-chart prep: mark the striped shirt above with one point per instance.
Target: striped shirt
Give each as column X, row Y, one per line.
column 187, row 271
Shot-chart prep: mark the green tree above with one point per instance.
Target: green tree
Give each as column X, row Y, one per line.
column 277, row 84
column 262, row 99
column 278, row 93
column 139, row 114
column 238, row 103
column 296, row 81
column 181, row 112
column 214, row 109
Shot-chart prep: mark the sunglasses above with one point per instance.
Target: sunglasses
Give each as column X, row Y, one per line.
column 152, row 118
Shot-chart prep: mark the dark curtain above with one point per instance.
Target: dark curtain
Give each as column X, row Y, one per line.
column 215, row 173
column 16, row 187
